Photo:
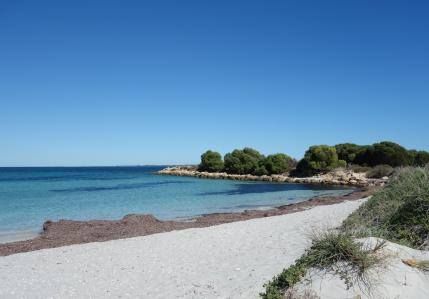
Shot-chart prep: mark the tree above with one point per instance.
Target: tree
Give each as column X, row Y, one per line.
column 260, row 170
column 278, row 163
column 211, row 161
column 385, row 152
column 318, row 158
column 253, row 153
column 244, row 161
column 348, row 151
column 419, row 158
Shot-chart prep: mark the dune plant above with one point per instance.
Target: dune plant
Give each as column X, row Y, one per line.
column 331, row 251
column 399, row 212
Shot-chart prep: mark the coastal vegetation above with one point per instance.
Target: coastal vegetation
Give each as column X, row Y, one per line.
column 398, row 213
column 317, row 159
column 246, row 161
column 331, row 251
column 349, row 151
column 378, row 160
column 211, row 162
column 278, row 163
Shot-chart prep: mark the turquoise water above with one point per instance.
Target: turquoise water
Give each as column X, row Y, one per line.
column 30, row 196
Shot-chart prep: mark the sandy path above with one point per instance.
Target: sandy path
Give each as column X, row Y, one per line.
column 232, row 260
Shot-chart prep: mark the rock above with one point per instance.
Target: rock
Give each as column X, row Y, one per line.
column 336, row 177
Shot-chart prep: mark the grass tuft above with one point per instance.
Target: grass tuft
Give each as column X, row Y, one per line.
column 331, row 251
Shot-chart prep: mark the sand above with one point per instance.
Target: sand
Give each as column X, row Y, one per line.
column 392, row 279
column 231, row 260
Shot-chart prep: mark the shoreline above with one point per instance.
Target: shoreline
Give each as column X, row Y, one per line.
column 232, row 260
column 335, row 177
column 69, row 232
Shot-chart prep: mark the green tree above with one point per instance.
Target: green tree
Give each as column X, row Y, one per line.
column 348, row 151
column 318, row 158
column 244, row 161
column 253, row 153
column 385, row 152
column 278, row 163
column 211, row 161
column 260, row 170
column 419, row 158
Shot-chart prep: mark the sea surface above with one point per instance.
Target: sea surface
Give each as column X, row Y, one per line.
column 30, row 196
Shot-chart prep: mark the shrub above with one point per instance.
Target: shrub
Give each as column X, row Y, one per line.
column 379, row 171
column 384, row 152
column 244, row 161
column 278, row 163
column 318, row 158
column 211, row 162
column 348, row 151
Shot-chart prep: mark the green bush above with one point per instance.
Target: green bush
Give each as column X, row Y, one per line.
column 385, row 152
column 318, row 158
column 349, row 151
column 278, row 163
column 211, row 162
column 244, row 161
column 379, row 171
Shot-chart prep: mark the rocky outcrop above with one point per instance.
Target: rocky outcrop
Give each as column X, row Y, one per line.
column 336, row 177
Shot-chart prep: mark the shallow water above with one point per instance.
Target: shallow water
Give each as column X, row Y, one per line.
column 30, row 196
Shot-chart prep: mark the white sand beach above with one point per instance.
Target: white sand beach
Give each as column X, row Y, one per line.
column 226, row 261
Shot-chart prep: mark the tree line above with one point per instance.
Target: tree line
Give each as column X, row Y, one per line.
column 317, row 159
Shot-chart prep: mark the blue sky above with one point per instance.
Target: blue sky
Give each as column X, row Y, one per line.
column 159, row 82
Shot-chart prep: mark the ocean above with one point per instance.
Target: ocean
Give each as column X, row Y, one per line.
column 31, row 195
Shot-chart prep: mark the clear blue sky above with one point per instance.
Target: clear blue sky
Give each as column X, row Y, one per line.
column 158, row 82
